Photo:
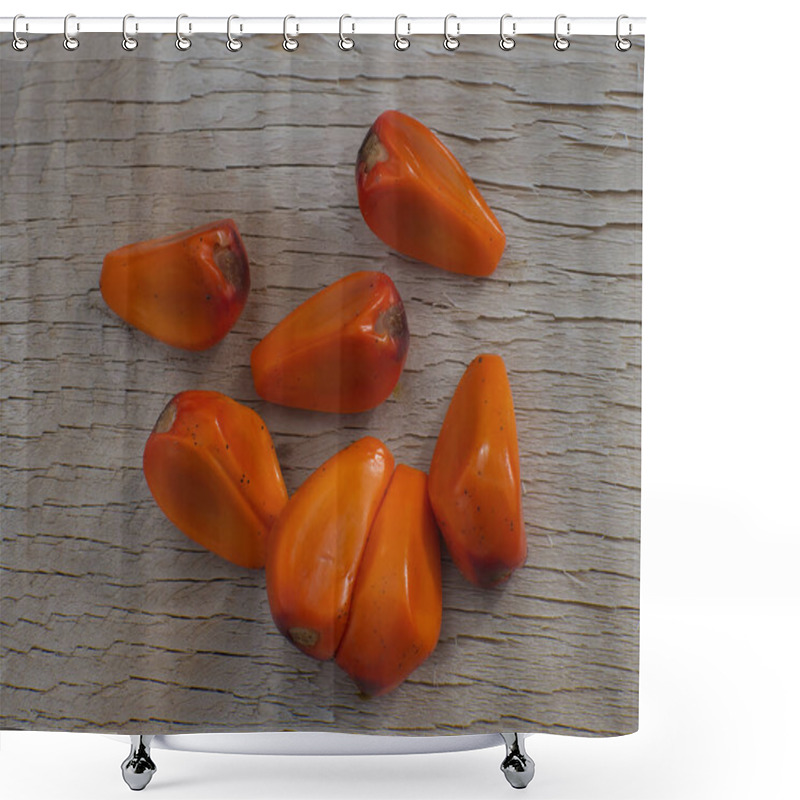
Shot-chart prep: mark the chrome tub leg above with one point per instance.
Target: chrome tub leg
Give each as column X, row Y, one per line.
column 138, row 767
column 517, row 766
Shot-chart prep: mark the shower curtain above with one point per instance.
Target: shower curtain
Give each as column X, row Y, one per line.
column 384, row 286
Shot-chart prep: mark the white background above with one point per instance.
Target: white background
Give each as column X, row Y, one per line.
column 720, row 705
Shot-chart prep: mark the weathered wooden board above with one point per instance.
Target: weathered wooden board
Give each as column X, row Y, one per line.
column 111, row 618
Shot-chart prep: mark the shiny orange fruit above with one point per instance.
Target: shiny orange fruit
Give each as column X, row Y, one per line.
column 186, row 290
column 315, row 549
column 212, row 468
column 396, row 609
column 418, row 199
column 474, row 484
column 342, row 350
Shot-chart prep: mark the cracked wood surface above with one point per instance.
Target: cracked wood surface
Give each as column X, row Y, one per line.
column 111, row 618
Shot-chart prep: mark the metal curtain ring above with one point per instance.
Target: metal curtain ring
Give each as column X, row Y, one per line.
column 345, row 42
column 561, row 42
column 128, row 42
column 289, row 42
column 623, row 44
column 451, row 42
column 233, row 44
column 506, row 41
column 181, row 42
column 400, row 42
column 18, row 43
column 70, row 42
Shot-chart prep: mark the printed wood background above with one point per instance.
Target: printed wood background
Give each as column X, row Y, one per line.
column 114, row 620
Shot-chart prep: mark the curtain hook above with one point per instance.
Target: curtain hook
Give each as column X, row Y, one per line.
column 623, row 44
column 451, row 42
column 181, row 42
column 345, row 42
column 506, row 41
column 561, row 42
column 233, row 44
column 128, row 42
column 400, row 42
column 70, row 42
column 289, row 42
column 18, row 43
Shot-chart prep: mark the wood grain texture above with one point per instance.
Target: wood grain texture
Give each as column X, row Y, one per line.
column 111, row 618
